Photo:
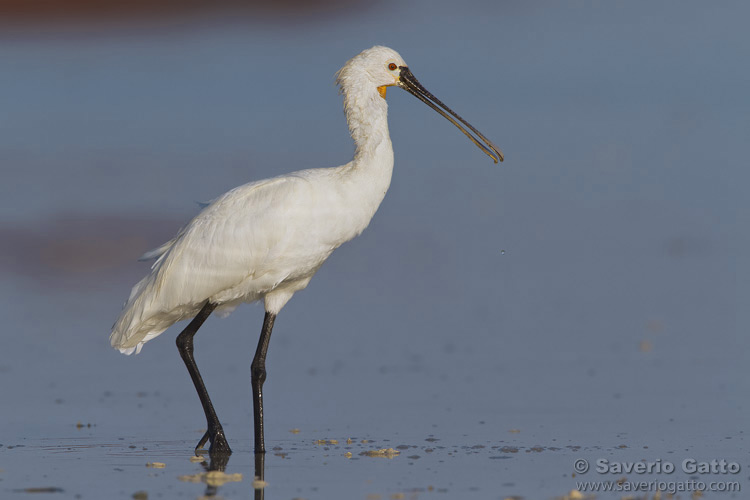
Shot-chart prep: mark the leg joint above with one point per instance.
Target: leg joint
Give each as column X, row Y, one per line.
column 184, row 341
column 258, row 372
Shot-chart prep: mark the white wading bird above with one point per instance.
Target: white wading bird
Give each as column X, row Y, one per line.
column 265, row 240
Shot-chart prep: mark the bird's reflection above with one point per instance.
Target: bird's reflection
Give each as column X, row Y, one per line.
column 260, row 469
column 215, row 476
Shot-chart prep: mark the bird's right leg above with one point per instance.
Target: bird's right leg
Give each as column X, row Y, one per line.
column 258, row 376
column 215, row 432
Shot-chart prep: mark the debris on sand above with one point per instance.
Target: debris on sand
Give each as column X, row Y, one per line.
column 385, row 452
column 212, row 478
column 259, row 484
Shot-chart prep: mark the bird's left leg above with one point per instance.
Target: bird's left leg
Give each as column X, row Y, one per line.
column 185, row 345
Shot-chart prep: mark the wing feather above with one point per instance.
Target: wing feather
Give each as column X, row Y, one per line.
column 247, row 233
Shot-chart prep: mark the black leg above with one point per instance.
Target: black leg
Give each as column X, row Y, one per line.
column 215, row 433
column 258, row 371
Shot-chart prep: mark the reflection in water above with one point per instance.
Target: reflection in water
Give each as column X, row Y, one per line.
column 215, row 476
column 128, row 13
column 259, row 483
column 69, row 249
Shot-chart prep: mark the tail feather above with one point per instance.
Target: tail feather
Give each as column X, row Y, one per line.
column 138, row 322
column 130, row 332
column 144, row 317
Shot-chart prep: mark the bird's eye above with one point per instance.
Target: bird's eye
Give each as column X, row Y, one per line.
column 392, row 66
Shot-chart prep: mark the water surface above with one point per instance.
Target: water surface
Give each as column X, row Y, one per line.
column 494, row 324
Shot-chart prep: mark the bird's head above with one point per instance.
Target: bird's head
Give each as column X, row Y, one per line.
column 379, row 67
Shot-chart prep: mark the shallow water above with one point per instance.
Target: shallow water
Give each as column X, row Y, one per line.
column 520, row 463
column 494, row 324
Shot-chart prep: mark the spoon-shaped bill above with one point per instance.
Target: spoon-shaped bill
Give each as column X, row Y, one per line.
column 408, row 82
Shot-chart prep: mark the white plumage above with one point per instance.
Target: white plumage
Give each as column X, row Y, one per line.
column 265, row 240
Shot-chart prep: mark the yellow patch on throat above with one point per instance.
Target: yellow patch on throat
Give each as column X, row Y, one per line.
column 381, row 91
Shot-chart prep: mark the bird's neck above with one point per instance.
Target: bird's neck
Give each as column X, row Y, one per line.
column 372, row 167
column 367, row 117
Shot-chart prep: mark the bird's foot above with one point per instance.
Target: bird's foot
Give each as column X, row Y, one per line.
column 199, row 446
column 219, row 444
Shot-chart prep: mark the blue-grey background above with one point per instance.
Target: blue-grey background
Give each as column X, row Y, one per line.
column 584, row 299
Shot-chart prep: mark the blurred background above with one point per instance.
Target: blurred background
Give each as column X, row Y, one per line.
column 588, row 291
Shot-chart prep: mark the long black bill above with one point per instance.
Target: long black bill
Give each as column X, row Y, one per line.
column 408, row 82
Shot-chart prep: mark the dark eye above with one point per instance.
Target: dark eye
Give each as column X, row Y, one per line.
column 392, row 66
